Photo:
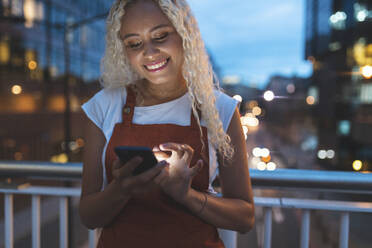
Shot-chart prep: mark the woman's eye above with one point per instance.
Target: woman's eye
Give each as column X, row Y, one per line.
column 161, row 37
column 134, row 45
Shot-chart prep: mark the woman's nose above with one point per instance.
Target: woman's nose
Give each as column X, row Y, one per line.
column 150, row 50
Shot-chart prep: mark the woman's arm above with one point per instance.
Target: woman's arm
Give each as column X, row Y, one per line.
column 235, row 210
column 98, row 208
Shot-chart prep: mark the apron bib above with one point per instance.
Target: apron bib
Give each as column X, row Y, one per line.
column 154, row 219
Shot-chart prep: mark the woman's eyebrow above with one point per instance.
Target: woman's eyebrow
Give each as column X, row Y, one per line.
column 152, row 30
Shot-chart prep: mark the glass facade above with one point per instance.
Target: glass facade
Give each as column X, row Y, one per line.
column 32, row 41
column 336, row 21
column 339, row 44
column 34, row 61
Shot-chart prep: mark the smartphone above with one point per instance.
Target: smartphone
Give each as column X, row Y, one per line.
column 125, row 153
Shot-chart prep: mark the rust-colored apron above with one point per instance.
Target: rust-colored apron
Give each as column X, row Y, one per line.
column 154, row 219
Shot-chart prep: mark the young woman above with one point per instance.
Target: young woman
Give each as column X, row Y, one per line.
column 159, row 93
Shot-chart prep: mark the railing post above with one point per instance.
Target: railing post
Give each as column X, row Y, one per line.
column 36, row 221
column 344, row 230
column 92, row 238
column 228, row 237
column 305, row 229
column 268, row 222
column 63, row 219
column 9, row 228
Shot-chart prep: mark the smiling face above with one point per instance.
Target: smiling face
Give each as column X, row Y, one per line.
column 152, row 44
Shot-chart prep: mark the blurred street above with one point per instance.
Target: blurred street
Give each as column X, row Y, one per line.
column 286, row 227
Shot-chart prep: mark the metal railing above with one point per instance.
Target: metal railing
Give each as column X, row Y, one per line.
column 330, row 181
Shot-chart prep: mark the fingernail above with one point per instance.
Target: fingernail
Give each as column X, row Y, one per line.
column 163, row 162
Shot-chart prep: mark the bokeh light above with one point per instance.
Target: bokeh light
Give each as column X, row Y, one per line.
column 291, row 88
column 271, row 166
column 331, row 154
column 261, row 166
column 256, row 152
column 265, row 152
column 357, row 165
column 310, row 100
column 269, row 95
column 238, row 98
column 249, row 120
column 366, row 71
column 322, row 154
column 18, row 156
column 16, row 89
column 32, row 65
column 266, row 159
column 256, row 110
column 60, row 158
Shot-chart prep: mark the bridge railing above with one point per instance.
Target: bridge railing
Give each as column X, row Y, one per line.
column 281, row 179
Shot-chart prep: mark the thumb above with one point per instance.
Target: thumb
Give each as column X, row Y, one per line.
column 116, row 164
column 197, row 168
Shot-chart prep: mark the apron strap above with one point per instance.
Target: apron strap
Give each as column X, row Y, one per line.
column 194, row 125
column 128, row 109
column 193, row 122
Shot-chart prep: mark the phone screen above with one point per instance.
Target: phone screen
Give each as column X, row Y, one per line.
column 125, row 153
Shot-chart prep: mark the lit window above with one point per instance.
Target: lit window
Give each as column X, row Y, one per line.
column 16, row 8
column 361, row 13
column 4, row 52
column 338, row 19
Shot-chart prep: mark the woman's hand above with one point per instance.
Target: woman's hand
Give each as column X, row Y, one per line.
column 175, row 179
column 129, row 184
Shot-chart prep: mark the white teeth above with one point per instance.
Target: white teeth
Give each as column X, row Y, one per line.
column 156, row 66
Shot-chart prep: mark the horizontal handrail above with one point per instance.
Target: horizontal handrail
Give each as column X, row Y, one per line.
column 44, row 170
column 281, row 202
column 314, row 204
column 343, row 181
column 281, row 178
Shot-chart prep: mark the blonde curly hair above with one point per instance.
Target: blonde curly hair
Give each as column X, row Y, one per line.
column 197, row 71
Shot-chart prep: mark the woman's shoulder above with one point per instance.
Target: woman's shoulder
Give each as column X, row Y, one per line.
column 226, row 106
column 106, row 97
column 224, row 100
column 109, row 94
column 100, row 104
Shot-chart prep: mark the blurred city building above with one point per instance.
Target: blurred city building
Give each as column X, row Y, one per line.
column 289, row 115
column 234, row 87
column 339, row 45
column 50, row 51
column 289, row 129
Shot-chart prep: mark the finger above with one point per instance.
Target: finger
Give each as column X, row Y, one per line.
column 163, row 179
column 189, row 152
column 149, row 174
column 128, row 167
column 172, row 147
column 197, row 168
column 162, row 175
column 161, row 155
column 115, row 166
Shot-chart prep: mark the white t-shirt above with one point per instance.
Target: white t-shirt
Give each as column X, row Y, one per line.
column 104, row 109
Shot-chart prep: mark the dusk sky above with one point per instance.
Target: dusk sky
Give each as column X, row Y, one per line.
column 254, row 39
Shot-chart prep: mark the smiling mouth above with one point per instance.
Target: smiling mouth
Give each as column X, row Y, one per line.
column 158, row 66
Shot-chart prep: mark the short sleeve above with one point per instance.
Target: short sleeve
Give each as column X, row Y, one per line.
column 226, row 106
column 95, row 109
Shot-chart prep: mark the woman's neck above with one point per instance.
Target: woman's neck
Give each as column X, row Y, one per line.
column 153, row 94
